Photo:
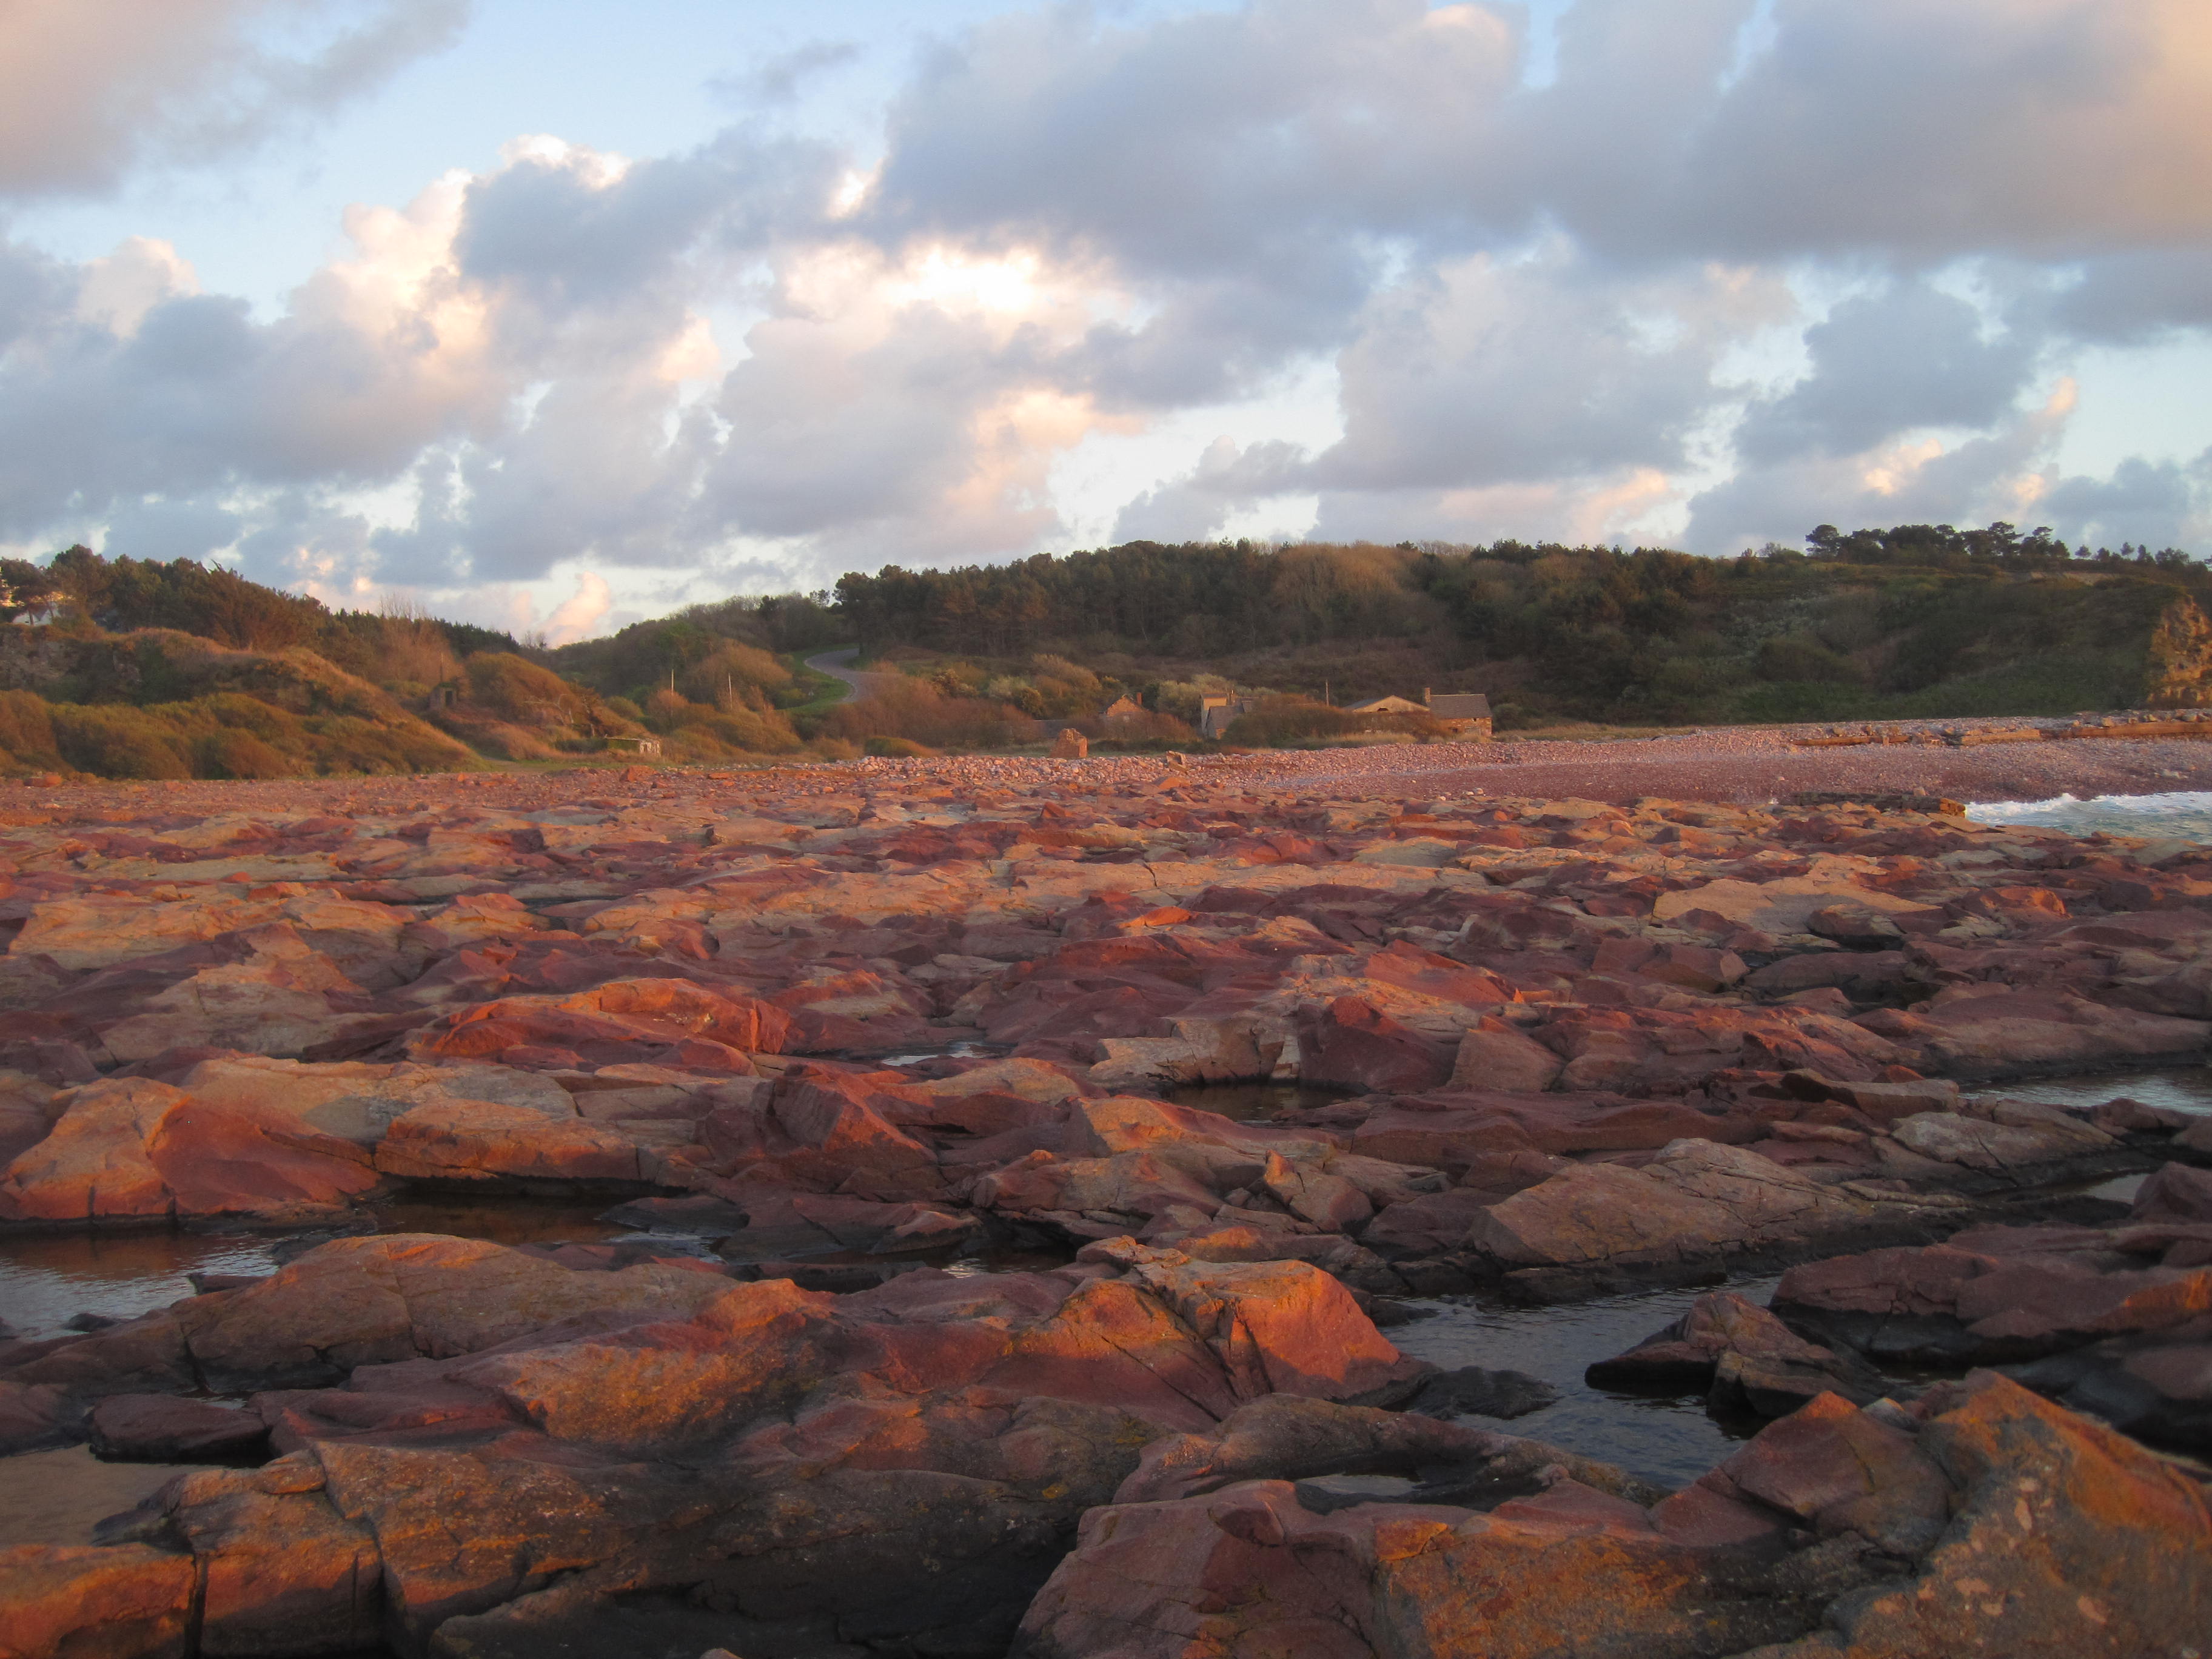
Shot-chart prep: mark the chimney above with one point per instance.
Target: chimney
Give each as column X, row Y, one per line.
column 1425, row 696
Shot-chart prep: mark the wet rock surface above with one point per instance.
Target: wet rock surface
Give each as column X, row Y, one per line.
column 814, row 1036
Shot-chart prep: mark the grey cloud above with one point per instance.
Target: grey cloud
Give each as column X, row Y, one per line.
column 1209, row 140
column 1226, row 478
column 778, row 80
column 547, row 228
column 171, row 530
column 1911, row 356
column 1979, row 480
column 2128, row 299
column 2151, row 503
column 1486, row 372
column 1293, row 181
column 90, row 89
column 1922, row 131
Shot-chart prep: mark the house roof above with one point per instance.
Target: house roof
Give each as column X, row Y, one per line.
column 1392, row 705
column 1461, row 705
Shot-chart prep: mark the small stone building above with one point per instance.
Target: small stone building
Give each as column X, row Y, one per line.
column 1463, row 713
column 1216, row 714
column 1122, row 708
column 1393, row 705
column 633, row 745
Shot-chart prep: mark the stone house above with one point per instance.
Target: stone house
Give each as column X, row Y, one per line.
column 1393, row 705
column 1464, row 714
column 1215, row 714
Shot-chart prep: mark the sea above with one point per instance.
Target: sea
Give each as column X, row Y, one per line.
column 2185, row 815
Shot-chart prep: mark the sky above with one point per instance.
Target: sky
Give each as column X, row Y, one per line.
column 553, row 316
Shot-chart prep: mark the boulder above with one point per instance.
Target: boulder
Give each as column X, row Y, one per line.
column 1350, row 1043
column 1495, row 1055
column 1991, row 1294
column 1695, row 1200
column 161, row 1428
column 401, row 1295
column 60, row 1603
column 285, row 1572
column 139, row 1149
column 2060, row 1537
column 2175, row 1191
column 482, row 1140
column 1738, row 1354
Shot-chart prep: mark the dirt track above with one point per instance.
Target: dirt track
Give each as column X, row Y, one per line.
column 1746, row 765
column 1740, row 764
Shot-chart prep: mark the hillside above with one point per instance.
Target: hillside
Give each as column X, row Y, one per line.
column 127, row 668
column 1918, row 621
column 137, row 669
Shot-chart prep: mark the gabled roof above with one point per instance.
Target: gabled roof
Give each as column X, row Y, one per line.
column 1461, row 705
column 1393, row 705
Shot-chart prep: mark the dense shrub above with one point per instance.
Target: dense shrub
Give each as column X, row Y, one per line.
column 730, row 670
column 523, row 694
column 235, row 754
column 917, row 710
column 1801, row 657
column 116, row 742
column 1276, row 721
column 26, row 734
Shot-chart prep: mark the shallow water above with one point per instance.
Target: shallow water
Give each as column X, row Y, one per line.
column 2186, row 814
column 2181, row 1088
column 47, row 1278
column 1668, row 1440
column 57, row 1497
column 1249, row 1103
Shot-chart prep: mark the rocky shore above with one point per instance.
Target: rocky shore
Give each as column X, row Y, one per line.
column 940, row 1330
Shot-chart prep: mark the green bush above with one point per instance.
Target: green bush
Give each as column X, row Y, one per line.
column 234, row 754
column 26, row 734
column 1800, row 656
column 114, row 742
column 1276, row 721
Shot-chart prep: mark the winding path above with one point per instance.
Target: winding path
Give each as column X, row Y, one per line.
column 838, row 664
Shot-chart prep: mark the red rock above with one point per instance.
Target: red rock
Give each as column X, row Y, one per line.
column 58, row 1602
column 483, row 1141
column 1741, row 1354
column 2064, row 1538
column 1694, row 1199
column 285, row 1573
column 1836, row 1468
column 1993, row 1293
column 1352, row 1043
column 2175, row 1193
column 1428, row 1225
column 358, row 1301
column 1494, row 1055
column 36, row 1415
column 622, row 1020
column 163, row 1429
column 1281, row 1328
column 94, row 1162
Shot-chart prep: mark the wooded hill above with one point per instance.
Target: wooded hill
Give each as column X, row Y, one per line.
column 1918, row 620
column 138, row 669
column 127, row 668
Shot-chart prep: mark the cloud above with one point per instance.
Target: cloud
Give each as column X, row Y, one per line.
column 1736, row 269
column 1227, row 478
column 2053, row 128
column 575, row 617
column 2151, row 503
column 90, row 89
column 1910, row 356
column 779, row 79
column 1488, row 372
column 1897, row 479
